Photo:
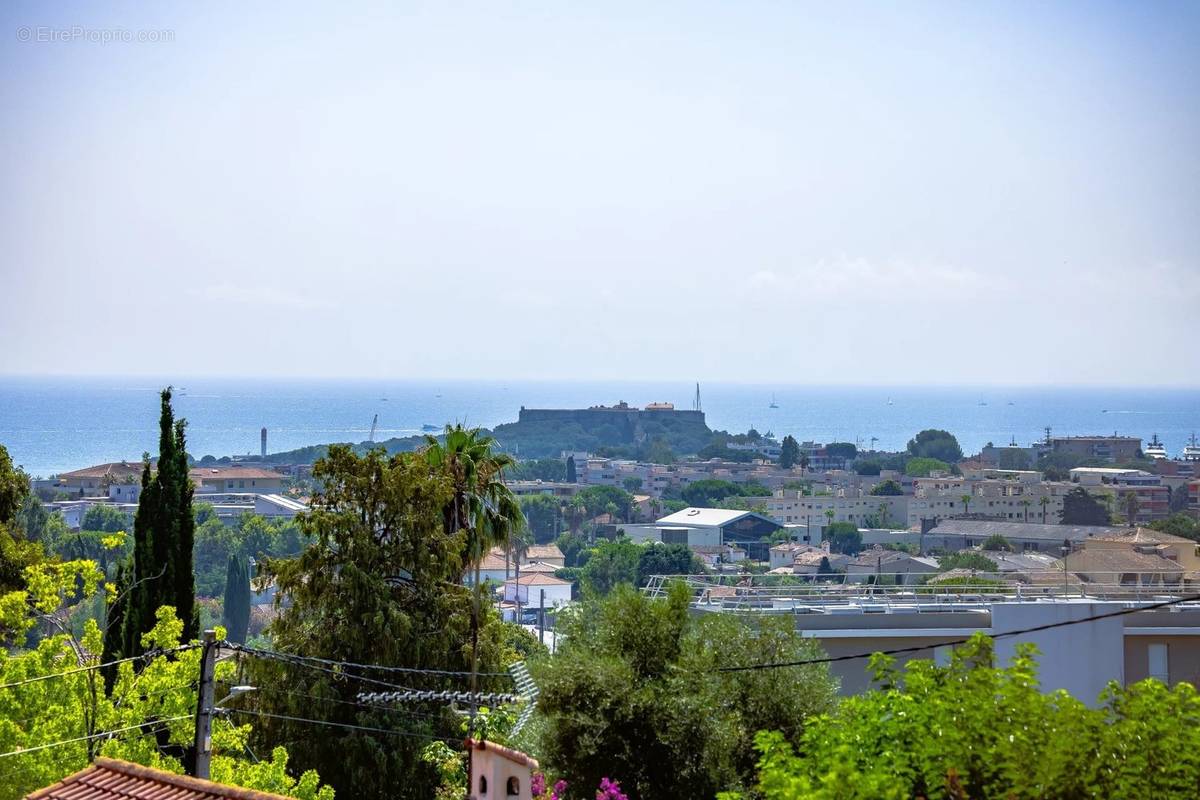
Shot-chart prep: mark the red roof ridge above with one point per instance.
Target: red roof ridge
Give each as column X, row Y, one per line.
column 515, row 756
column 137, row 774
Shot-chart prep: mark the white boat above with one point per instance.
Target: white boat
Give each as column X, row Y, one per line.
column 1155, row 448
column 773, row 403
column 1192, row 451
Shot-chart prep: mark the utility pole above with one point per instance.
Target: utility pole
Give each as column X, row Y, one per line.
column 542, row 617
column 204, row 707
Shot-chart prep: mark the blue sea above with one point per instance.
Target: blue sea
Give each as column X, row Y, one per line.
column 51, row 425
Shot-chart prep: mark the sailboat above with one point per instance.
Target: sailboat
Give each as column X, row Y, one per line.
column 773, row 403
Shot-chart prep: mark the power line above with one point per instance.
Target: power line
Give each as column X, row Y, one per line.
column 24, row 750
column 347, row 725
column 352, row 665
column 144, row 656
column 353, row 703
column 951, row 642
column 299, row 661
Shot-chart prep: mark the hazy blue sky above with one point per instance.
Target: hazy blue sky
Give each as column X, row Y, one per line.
column 908, row 192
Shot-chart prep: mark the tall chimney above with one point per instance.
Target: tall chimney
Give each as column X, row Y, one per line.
column 264, row 442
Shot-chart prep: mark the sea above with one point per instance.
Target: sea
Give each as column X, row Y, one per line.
column 56, row 424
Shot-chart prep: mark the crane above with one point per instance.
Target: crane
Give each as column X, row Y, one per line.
column 374, row 422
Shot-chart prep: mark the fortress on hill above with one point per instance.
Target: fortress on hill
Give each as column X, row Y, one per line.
column 622, row 414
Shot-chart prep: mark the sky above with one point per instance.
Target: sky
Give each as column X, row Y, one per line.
column 770, row 192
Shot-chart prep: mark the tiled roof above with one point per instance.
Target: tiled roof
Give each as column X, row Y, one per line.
column 514, row 756
column 232, row 473
column 110, row 779
column 535, row 567
column 541, row 552
column 1145, row 536
column 538, row 579
column 116, row 469
column 1106, row 560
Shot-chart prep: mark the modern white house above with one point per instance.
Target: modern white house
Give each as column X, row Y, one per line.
column 537, row 591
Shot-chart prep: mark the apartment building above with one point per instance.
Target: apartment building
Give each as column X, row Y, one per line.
column 864, row 510
column 1153, row 497
column 1108, row 448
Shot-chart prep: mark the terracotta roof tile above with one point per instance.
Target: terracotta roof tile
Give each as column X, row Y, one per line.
column 111, row 779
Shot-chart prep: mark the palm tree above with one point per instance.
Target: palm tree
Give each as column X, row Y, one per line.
column 883, row 515
column 482, row 507
column 1131, row 507
column 1043, row 502
column 804, row 462
column 1026, row 504
column 966, row 501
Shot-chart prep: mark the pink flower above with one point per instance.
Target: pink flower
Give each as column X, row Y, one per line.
column 537, row 784
column 610, row 790
column 560, row 788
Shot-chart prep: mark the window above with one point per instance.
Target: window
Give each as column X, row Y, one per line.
column 514, row 787
column 483, row 784
column 1156, row 656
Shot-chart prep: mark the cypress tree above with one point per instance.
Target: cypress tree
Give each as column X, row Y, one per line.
column 235, row 614
column 114, row 630
column 571, row 476
column 163, row 532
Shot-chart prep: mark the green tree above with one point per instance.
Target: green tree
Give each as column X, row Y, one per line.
column 611, row 564
column 1178, row 525
column 922, row 467
column 104, row 518
column 709, row 492
column 379, row 584
column 1080, row 508
column 888, row 488
column 966, row 559
column 571, row 545
column 632, row 484
column 844, row 537
column 482, row 507
column 539, row 469
column 868, row 467
column 997, row 542
column 163, row 536
column 970, row 729
column 936, row 444
column 14, row 487
column 966, row 501
column 571, row 476
column 1129, row 504
column 1044, row 501
column 542, row 513
column 789, row 452
column 17, row 552
column 634, row 693
column 235, row 610
column 667, row 559
column 597, row 498
column 844, row 451
column 152, row 706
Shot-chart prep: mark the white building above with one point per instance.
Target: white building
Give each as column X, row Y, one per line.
column 537, row 591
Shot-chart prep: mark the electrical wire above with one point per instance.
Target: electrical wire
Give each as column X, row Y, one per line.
column 24, row 750
column 299, row 662
column 354, row 703
column 346, row 725
column 144, row 656
column 952, row 642
column 351, row 665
